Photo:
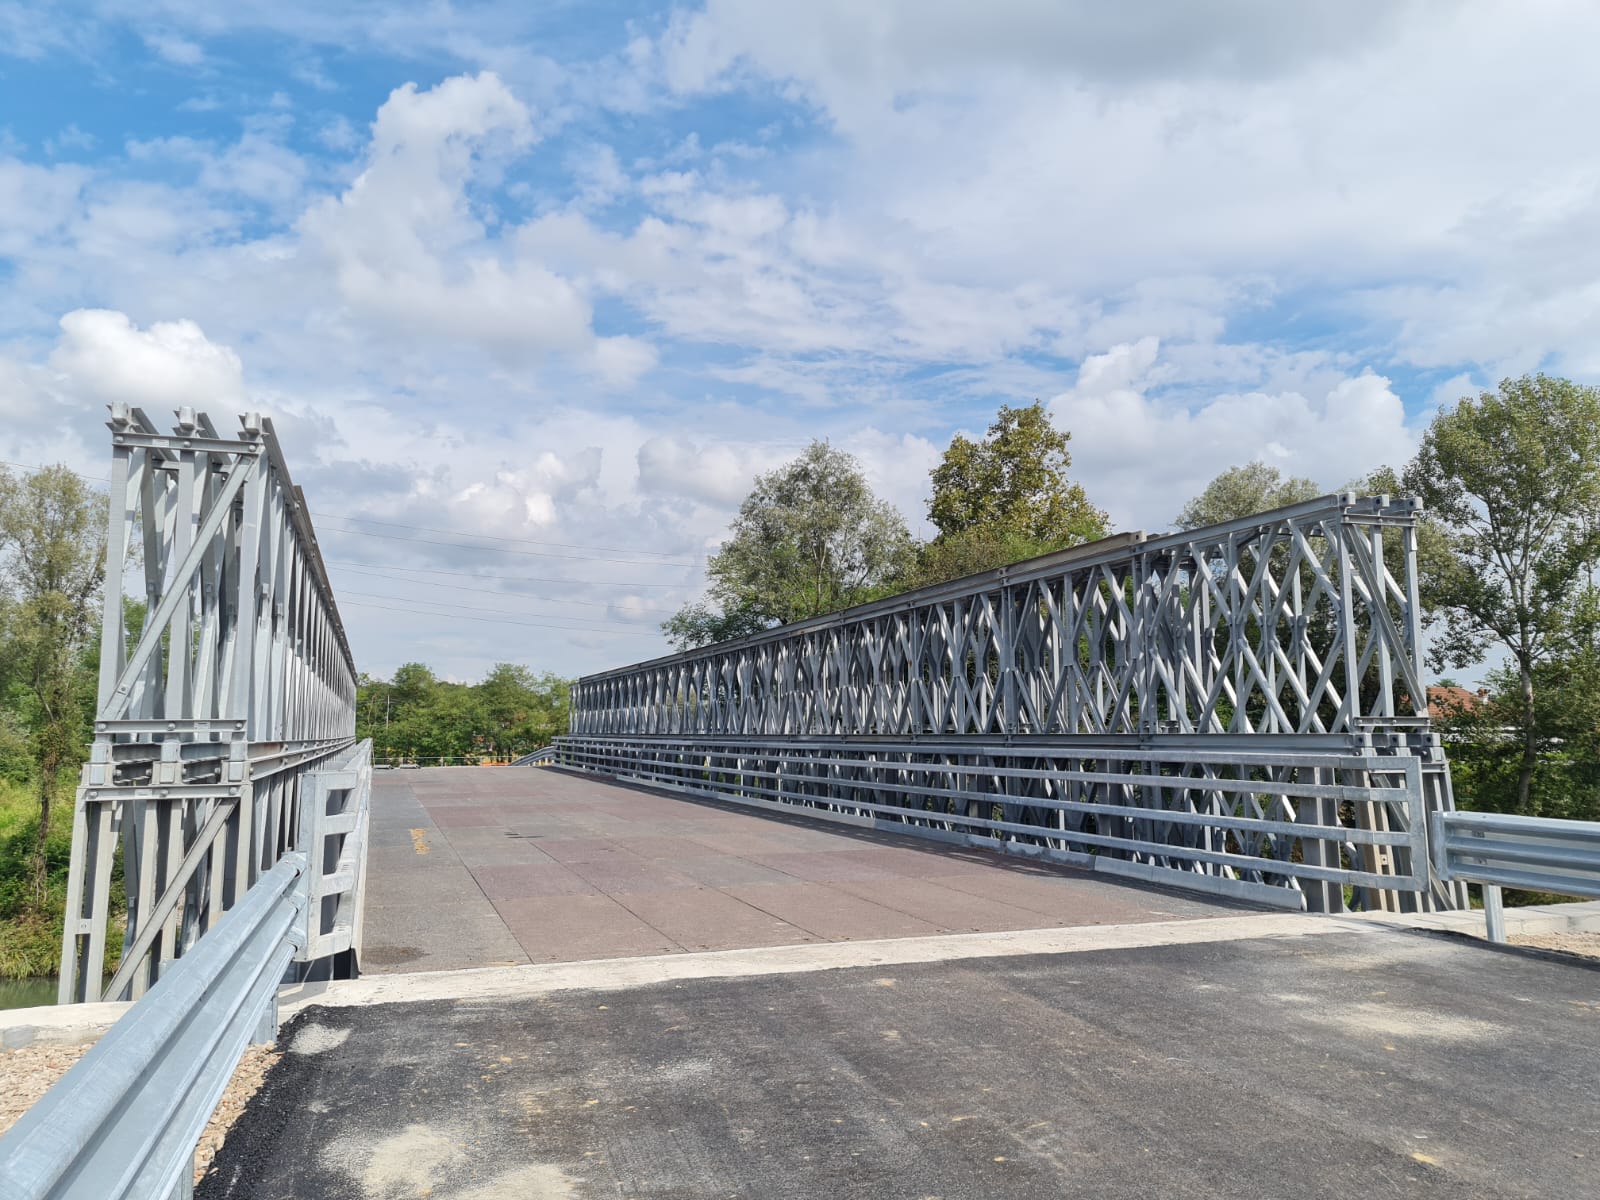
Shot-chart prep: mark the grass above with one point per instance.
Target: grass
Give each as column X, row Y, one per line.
column 30, row 931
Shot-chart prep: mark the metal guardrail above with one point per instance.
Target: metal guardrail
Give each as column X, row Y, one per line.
column 1292, row 831
column 125, row 1120
column 123, row 1123
column 543, row 756
column 1500, row 850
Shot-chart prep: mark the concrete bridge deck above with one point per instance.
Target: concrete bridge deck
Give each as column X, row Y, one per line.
column 488, row 866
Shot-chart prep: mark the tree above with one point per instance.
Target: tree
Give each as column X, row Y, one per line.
column 1511, row 480
column 1006, row 498
column 416, row 714
column 1244, row 491
column 811, row 538
column 52, row 542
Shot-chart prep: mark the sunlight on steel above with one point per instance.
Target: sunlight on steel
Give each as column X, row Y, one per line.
column 1290, row 633
column 225, row 675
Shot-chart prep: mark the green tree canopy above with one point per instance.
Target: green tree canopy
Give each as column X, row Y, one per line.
column 1015, row 479
column 1005, row 498
column 52, row 562
column 1244, row 491
column 417, row 715
column 811, row 538
column 1511, row 480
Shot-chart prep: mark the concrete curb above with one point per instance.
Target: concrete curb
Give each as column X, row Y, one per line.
column 1544, row 918
column 78, row 1023
column 65, row 1025
column 615, row 974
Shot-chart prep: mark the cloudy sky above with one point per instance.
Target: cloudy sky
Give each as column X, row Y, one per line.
column 532, row 291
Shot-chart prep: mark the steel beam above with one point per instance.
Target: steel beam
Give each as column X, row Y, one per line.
column 239, row 680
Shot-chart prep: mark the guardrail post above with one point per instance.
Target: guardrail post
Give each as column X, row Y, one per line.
column 1494, row 912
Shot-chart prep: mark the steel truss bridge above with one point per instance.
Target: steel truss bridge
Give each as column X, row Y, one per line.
column 224, row 736
column 1238, row 708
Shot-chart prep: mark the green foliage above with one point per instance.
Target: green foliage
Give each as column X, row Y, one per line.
column 702, row 623
column 1014, row 479
column 417, row 715
column 811, row 538
column 1511, row 482
column 974, row 550
column 30, row 928
column 1244, row 491
column 52, row 551
column 1005, row 498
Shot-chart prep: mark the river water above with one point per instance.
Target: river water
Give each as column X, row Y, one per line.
column 26, row 993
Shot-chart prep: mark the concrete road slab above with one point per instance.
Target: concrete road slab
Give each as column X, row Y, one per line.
column 575, row 928
column 1370, row 1063
column 708, row 919
column 828, row 913
column 499, row 841
column 943, row 907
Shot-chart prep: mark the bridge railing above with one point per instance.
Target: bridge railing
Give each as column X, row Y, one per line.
column 336, row 802
column 1267, row 828
column 225, row 677
column 1239, row 708
column 123, row 1123
column 1501, row 850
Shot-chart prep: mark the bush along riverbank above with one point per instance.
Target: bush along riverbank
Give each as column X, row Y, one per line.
column 30, row 924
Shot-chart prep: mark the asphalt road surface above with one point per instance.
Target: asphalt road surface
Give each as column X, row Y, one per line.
column 1370, row 1063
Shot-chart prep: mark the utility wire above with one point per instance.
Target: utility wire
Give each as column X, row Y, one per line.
column 478, row 591
column 609, row 583
column 493, row 537
column 658, row 562
column 501, row 611
column 415, row 612
column 395, row 537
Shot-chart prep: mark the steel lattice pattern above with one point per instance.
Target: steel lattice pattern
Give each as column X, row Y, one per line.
column 1258, row 684
column 233, row 682
column 1299, row 621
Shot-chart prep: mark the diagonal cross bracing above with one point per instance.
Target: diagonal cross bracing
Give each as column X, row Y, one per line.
column 225, row 677
column 1291, row 633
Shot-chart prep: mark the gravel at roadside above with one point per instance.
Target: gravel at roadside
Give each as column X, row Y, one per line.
column 1585, row 943
column 28, row 1073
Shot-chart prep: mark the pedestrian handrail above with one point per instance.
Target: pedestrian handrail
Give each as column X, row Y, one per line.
column 125, row 1120
column 1501, row 850
column 543, row 756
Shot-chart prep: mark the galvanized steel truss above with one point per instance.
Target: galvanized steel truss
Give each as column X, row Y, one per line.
column 1293, row 634
column 229, row 684
column 1303, row 620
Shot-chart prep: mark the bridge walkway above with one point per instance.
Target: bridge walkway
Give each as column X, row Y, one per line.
column 472, row 867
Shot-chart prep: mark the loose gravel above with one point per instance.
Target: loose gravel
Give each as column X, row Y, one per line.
column 28, row 1073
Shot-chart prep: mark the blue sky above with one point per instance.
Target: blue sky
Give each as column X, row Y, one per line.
column 543, row 287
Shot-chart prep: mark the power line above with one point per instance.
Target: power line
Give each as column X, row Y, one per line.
column 414, row 612
column 467, row 546
column 493, row 537
column 395, row 537
column 478, row 608
column 506, row 578
column 478, row 591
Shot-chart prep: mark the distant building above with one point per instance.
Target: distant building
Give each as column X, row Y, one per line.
column 1447, row 702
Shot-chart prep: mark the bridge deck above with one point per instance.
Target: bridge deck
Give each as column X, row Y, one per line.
column 476, row 867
